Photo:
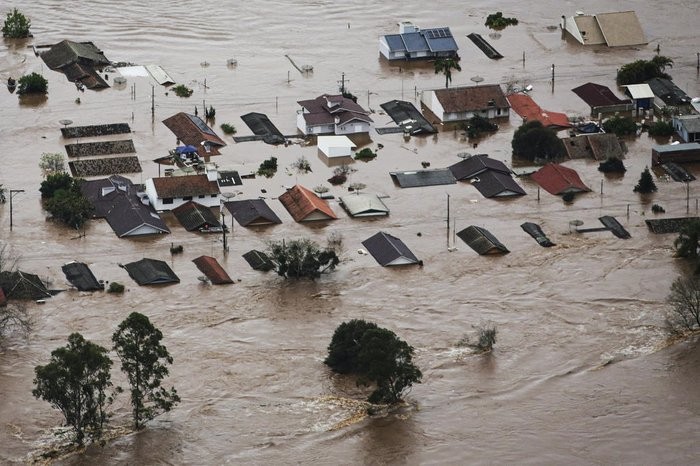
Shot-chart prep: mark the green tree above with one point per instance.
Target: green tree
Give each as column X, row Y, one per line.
column 533, row 141
column 646, row 183
column 620, row 126
column 661, row 128
column 144, row 360
column 688, row 241
column 445, row 66
column 32, row 84
column 377, row 356
column 477, row 125
column 70, row 207
column 52, row 163
column 16, row 25
column 685, row 302
column 345, row 346
column 55, row 182
column 640, row 71
column 301, row 258
column 75, row 382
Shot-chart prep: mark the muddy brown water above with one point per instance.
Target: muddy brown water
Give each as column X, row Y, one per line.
column 578, row 375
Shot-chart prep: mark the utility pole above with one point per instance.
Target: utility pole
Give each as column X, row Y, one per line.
column 223, row 228
column 153, row 101
column 448, row 221
column 12, row 194
column 552, row 78
column 342, row 83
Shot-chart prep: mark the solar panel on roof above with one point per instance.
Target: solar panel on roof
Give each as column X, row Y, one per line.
column 438, row 33
column 200, row 124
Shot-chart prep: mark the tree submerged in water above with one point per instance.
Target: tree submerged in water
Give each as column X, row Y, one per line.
column 16, row 25
column 646, row 183
column 302, row 258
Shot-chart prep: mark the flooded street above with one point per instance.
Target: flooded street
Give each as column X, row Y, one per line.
column 580, row 373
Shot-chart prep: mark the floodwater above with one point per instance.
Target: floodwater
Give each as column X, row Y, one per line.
column 581, row 372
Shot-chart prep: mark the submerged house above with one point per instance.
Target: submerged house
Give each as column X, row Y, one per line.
column 596, row 146
column 169, row 192
column 476, row 165
column 196, row 217
column 191, row 130
column 666, row 93
column 116, row 199
column 332, row 114
column 482, row 241
column 528, row 110
column 676, row 153
column 388, row 250
column 211, row 268
column 252, row 212
column 413, row 43
column 687, row 127
column 557, row 179
column 364, row 205
column 601, row 99
column 151, row 272
column 462, row 103
column 22, row 285
column 79, row 61
column 491, row 177
column 616, row 29
column 258, row 260
column 334, row 150
column 422, row 178
column 305, row 206
column 80, row 276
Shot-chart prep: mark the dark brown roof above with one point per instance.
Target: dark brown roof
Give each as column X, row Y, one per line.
column 496, row 184
column 470, row 98
column 184, row 186
column 250, row 212
column 194, row 216
column 212, row 269
column 479, row 163
column 319, row 113
column 301, row 203
column 596, row 95
column 192, row 130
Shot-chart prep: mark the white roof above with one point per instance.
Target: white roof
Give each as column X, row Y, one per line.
column 326, row 142
column 364, row 205
column 640, row 91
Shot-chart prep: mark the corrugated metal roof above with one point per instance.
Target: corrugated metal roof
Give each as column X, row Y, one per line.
column 389, row 250
column 406, row 115
column 210, row 267
column 251, row 212
column 481, row 241
column 159, row 74
column 364, row 205
column 395, row 43
column 640, row 91
column 80, row 276
column 621, row 28
column 419, row 178
column 151, row 272
column 183, row 186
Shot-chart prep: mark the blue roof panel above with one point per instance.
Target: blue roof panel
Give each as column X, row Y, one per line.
column 440, row 40
column 415, row 42
column 395, row 43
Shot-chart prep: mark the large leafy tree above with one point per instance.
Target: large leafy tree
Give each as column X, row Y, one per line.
column 377, row 356
column 445, row 66
column 533, row 141
column 144, row 360
column 640, row 71
column 64, row 200
column 301, row 258
column 688, row 241
column 685, row 303
column 75, row 381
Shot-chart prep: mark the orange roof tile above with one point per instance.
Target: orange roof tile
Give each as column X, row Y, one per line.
column 301, row 203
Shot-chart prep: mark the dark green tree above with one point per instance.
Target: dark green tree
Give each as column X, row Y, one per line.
column 646, row 183
column 533, row 141
column 620, row 126
column 640, row 71
column 301, row 258
column 70, row 207
column 55, row 182
column 345, row 346
column 498, row 21
column 377, row 356
column 477, row 125
column 661, row 128
column 16, row 25
column 144, row 360
column 445, row 66
column 75, row 381
column 32, row 84
column 688, row 241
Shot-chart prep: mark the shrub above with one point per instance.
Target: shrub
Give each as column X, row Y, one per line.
column 641, row 71
column 115, row 287
column 477, row 125
column 365, row 154
column 32, row 84
column 55, row 182
column 16, row 25
column 661, row 128
column 620, row 126
column 568, row 197
column 182, row 91
column 533, row 141
column 646, row 183
column 268, row 167
column 302, row 165
column 337, row 180
column 498, row 21
column 301, row 258
column 51, row 163
column 612, row 165
column 657, row 209
column 228, row 128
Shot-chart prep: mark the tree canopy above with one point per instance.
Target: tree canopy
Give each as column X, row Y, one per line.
column 75, row 382
column 64, row 200
column 301, row 258
column 533, row 141
column 620, row 126
column 144, row 360
column 684, row 299
column 688, row 241
column 377, row 356
column 33, row 83
column 52, row 163
column 16, row 25
column 640, row 71
column 646, row 183
column 445, row 66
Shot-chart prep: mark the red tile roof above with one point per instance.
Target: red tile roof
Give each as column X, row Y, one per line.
column 183, row 186
column 470, row 98
column 524, row 106
column 301, row 202
column 558, row 179
column 212, row 269
column 192, row 130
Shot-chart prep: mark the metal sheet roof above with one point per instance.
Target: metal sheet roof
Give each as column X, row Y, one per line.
column 364, row 205
column 395, row 43
column 417, row 178
column 80, row 276
column 151, row 272
column 389, row 250
column 482, row 241
column 415, row 42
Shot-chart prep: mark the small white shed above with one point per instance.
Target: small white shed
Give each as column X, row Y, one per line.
column 332, row 147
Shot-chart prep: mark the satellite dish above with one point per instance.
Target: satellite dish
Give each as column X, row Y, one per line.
column 65, row 122
column 477, row 79
column 576, row 223
column 464, row 155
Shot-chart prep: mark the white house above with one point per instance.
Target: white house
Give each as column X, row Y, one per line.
column 169, row 192
column 463, row 103
column 335, row 149
column 687, row 127
column 332, row 114
column 412, row 43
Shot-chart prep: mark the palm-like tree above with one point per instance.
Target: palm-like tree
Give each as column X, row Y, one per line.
column 662, row 63
column 445, row 66
column 688, row 240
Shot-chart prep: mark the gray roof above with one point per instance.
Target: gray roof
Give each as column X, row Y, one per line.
column 691, row 123
column 258, row 260
column 496, row 184
column 415, row 42
column 151, row 272
column 412, row 179
column 395, row 43
column 195, row 216
column 80, row 276
column 666, row 90
column 481, row 240
column 434, row 40
column 476, row 164
column 439, row 39
column 389, row 250
column 406, row 115
column 251, row 212
column 364, row 205
column 671, row 148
